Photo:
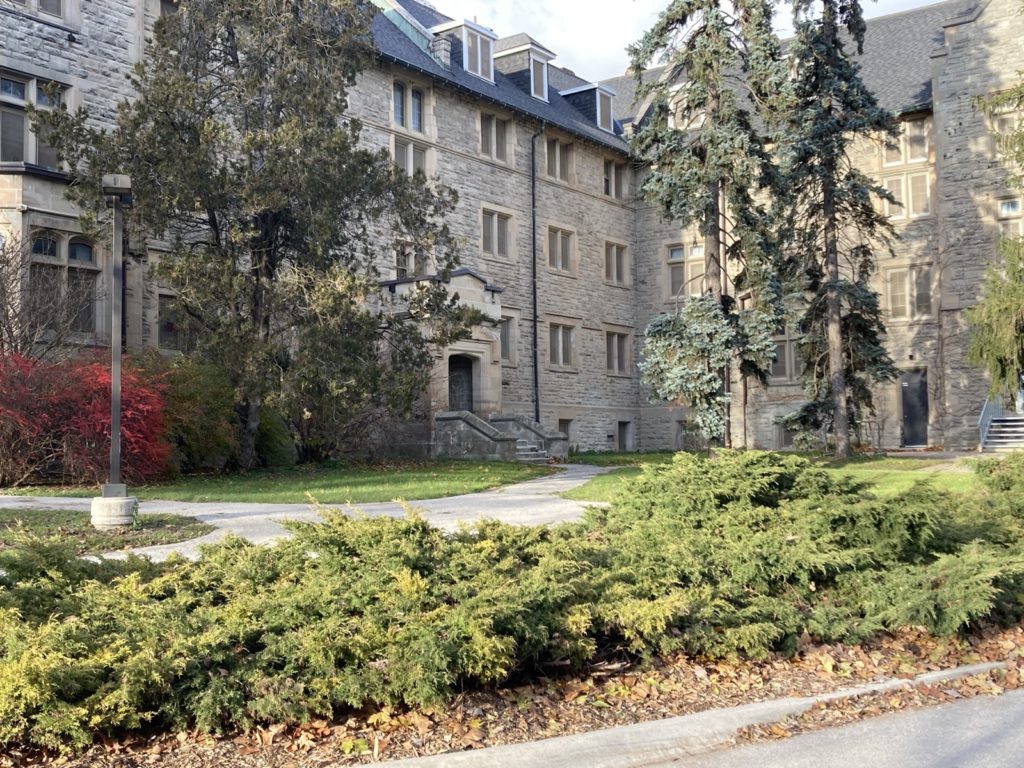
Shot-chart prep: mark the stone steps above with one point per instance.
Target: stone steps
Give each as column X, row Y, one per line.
column 1005, row 434
column 527, row 453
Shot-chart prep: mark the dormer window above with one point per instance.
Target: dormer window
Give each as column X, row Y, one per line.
column 604, row 112
column 477, row 59
column 539, row 79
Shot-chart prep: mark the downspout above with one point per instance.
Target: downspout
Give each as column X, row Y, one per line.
column 533, row 269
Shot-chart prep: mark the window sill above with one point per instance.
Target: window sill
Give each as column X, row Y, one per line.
column 562, row 272
column 562, row 369
column 31, row 169
column 613, row 284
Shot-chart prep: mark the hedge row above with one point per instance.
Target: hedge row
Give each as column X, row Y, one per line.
column 737, row 555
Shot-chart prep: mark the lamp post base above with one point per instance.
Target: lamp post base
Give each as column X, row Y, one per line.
column 113, row 511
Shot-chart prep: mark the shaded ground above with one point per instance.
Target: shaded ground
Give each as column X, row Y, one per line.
column 74, row 527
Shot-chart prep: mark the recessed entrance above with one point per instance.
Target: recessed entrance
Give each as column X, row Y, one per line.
column 460, row 383
column 914, row 402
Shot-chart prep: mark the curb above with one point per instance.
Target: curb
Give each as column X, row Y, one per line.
column 661, row 741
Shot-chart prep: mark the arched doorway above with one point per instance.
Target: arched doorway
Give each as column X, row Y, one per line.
column 460, row 383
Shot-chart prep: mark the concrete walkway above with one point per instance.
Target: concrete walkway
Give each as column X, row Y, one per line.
column 534, row 502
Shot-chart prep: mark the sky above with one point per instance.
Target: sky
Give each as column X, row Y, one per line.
column 590, row 36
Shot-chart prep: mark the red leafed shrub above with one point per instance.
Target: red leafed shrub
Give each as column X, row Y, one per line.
column 58, row 415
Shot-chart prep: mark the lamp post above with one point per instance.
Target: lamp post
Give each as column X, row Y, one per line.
column 114, row 508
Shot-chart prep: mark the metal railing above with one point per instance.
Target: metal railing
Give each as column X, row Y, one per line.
column 993, row 409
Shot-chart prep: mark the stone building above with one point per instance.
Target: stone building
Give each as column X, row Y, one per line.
column 561, row 254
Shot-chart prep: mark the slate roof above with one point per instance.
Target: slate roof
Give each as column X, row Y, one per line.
column 517, row 41
column 393, row 45
column 424, row 14
column 896, row 64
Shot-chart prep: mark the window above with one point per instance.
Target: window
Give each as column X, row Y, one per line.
column 614, row 178
column 617, row 352
column 506, row 333
column 17, row 142
column 910, row 293
column 539, row 79
column 912, row 194
column 408, row 106
column 786, row 366
column 686, row 270
column 477, row 58
column 561, row 340
column 494, row 137
column 560, row 243
column 410, row 156
column 65, row 272
column 565, row 427
column 410, row 262
column 49, row 7
column 559, row 159
column 604, row 111
column 911, row 146
column 616, row 265
column 1008, row 215
column 169, row 330
column 495, row 233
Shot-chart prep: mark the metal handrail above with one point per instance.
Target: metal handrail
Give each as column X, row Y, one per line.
column 992, row 409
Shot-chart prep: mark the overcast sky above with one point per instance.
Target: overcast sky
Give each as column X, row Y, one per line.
column 590, row 36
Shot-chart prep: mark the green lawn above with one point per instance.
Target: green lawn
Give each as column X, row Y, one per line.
column 75, row 527
column 328, row 485
column 885, row 475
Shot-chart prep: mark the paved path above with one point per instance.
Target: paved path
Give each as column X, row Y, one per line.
column 534, row 502
column 982, row 732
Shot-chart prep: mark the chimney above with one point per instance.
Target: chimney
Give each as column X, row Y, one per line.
column 441, row 50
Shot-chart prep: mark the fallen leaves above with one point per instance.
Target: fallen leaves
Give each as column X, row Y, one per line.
column 611, row 694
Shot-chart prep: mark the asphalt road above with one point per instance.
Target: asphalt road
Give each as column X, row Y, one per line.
column 982, row 732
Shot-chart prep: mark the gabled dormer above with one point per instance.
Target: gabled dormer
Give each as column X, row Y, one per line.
column 594, row 101
column 472, row 47
column 525, row 62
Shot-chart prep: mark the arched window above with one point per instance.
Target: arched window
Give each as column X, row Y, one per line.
column 45, row 244
column 80, row 252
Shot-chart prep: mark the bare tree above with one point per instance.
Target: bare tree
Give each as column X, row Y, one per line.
column 41, row 305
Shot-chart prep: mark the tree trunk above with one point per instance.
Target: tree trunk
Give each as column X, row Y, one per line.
column 249, row 416
column 714, row 281
column 834, row 328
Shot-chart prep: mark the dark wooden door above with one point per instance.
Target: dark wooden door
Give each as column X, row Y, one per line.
column 460, row 383
column 914, row 399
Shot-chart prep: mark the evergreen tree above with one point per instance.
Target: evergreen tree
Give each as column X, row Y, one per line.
column 244, row 161
column 833, row 226
column 704, row 142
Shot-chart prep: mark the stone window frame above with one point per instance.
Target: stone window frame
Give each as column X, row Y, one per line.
column 904, row 143
column 560, row 160
column 618, row 348
column 410, row 261
column 508, row 339
column 617, row 271
column 787, row 341
column 497, row 138
column 911, row 276
column 614, row 179
column 65, row 267
column 501, row 215
column 692, row 258
column 562, row 263
column 906, row 197
column 567, row 331
column 411, row 156
column 45, row 8
column 33, row 91
column 416, row 99
column 1010, row 222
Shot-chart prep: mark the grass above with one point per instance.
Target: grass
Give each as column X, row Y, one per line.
column 328, row 485
column 75, row 527
column 886, row 476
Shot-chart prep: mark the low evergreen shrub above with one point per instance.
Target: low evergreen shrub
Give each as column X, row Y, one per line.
column 738, row 554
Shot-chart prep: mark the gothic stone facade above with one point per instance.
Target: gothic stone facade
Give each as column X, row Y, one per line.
column 550, row 219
